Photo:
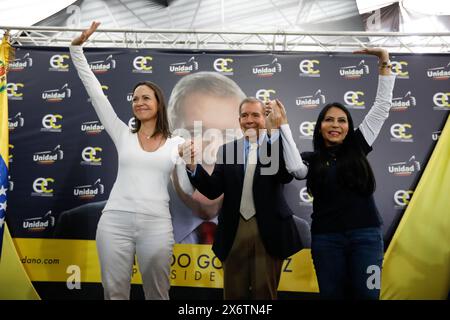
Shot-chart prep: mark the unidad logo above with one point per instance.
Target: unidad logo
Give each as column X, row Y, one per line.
column 354, row 72
column 39, row 224
column 16, row 122
column 89, row 191
column 268, row 69
column 57, row 95
column 439, row 73
column 405, row 168
column 92, row 127
column 49, row 157
column 103, row 66
column 185, row 67
column 403, row 103
column 19, row 64
column 311, row 101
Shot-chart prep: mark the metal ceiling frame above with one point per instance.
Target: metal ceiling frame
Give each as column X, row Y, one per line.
column 396, row 42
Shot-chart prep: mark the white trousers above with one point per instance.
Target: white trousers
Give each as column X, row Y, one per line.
column 121, row 235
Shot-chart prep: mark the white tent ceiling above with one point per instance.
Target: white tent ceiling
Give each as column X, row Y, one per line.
column 252, row 16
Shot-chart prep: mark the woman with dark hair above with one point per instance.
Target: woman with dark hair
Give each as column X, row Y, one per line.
column 347, row 241
column 136, row 218
column 162, row 123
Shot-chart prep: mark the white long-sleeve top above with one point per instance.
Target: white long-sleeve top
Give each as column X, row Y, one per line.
column 370, row 127
column 374, row 119
column 294, row 163
column 142, row 177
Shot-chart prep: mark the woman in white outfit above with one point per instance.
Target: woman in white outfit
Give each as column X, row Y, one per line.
column 136, row 218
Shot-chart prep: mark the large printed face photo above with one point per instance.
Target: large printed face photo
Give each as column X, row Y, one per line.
column 210, row 118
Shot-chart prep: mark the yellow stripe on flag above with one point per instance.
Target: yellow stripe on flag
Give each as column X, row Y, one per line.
column 14, row 281
column 5, row 50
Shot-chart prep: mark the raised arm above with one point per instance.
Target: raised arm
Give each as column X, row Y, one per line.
column 102, row 106
column 379, row 112
column 277, row 119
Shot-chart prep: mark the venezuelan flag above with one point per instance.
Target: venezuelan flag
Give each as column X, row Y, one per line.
column 14, row 281
column 5, row 50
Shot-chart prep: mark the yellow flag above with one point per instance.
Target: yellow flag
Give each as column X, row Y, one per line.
column 14, row 281
column 417, row 262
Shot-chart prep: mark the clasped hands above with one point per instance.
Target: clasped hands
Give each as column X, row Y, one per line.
column 275, row 115
column 189, row 152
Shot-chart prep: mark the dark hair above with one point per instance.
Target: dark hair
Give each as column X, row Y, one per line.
column 162, row 124
column 353, row 170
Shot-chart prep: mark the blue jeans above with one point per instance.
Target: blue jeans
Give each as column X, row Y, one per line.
column 345, row 263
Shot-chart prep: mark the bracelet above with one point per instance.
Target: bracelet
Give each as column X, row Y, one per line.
column 386, row 64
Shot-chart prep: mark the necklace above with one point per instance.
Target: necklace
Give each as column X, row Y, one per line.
column 146, row 136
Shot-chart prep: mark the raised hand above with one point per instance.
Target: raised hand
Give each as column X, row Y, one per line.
column 85, row 34
column 381, row 53
column 383, row 58
column 275, row 114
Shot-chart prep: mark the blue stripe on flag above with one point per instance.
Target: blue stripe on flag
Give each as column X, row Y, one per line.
column 3, row 188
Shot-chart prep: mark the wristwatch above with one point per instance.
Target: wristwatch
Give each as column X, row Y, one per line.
column 386, row 64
